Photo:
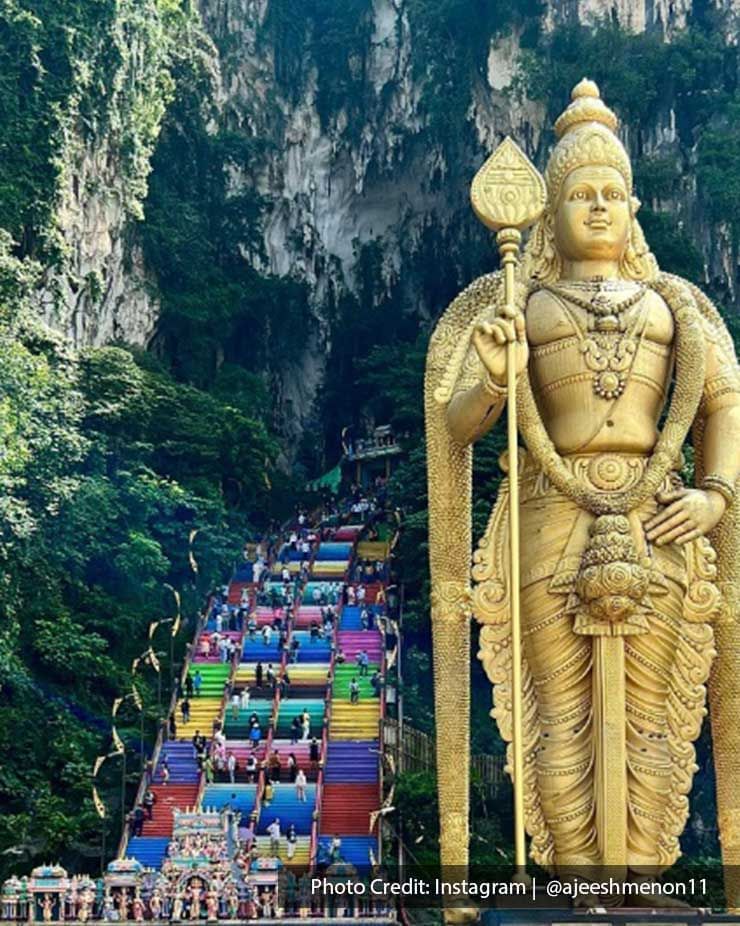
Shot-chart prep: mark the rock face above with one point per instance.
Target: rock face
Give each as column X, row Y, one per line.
column 360, row 169
column 102, row 294
column 98, row 290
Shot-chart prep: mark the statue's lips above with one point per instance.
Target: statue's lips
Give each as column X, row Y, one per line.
column 598, row 225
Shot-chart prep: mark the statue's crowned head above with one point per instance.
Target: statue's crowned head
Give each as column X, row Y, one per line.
column 589, row 162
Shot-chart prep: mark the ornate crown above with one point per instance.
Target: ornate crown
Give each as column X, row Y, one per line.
column 586, row 130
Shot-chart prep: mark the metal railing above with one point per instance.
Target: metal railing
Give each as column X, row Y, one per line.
column 163, row 732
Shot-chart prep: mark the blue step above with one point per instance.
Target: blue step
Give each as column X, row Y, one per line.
column 149, row 850
column 354, row 850
column 288, row 809
column 257, row 651
column 240, row 796
column 181, row 762
column 334, row 551
column 312, row 650
column 350, row 618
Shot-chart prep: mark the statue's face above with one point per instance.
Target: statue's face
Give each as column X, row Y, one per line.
column 592, row 217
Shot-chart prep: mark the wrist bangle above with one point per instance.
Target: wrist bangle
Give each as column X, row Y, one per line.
column 493, row 388
column 720, row 484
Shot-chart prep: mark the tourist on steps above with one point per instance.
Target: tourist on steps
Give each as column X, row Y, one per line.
column 354, row 691
column 149, row 802
column 138, row 820
column 274, row 765
column 251, row 768
column 189, row 685
column 273, row 830
column 185, row 709
column 292, row 839
column 300, row 785
column 335, row 849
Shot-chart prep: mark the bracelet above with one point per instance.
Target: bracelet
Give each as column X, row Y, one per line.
column 493, row 388
column 720, row 484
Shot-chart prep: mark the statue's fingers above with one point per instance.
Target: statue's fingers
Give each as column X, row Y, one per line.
column 671, row 495
column 521, row 328
column 665, row 515
column 660, row 529
column 667, row 536
column 691, row 535
column 506, row 328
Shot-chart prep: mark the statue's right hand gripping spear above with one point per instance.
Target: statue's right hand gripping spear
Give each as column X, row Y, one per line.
column 508, row 195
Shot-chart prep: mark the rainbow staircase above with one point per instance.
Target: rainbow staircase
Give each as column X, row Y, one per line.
column 350, row 777
column 343, row 788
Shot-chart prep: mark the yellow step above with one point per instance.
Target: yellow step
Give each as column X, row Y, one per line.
column 376, row 550
column 302, row 850
column 203, row 711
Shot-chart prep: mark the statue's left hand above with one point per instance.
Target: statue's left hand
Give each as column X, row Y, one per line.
column 689, row 513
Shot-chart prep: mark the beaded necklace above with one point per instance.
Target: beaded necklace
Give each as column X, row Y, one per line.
column 689, row 381
column 609, row 343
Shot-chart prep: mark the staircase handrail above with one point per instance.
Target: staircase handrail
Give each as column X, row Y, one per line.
column 313, row 846
column 159, row 742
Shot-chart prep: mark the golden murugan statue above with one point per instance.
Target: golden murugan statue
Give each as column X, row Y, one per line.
column 628, row 579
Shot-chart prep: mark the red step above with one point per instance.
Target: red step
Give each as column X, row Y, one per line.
column 346, row 808
column 169, row 798
column 235, row 591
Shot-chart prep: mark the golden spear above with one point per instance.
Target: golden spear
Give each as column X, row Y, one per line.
column 508, row 195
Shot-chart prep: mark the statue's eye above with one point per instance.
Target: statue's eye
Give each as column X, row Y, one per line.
column 615, row 194
column 579, row 194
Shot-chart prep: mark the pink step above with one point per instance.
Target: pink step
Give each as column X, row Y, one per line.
column 351, row 642
column 206, row 635
column 265, row 615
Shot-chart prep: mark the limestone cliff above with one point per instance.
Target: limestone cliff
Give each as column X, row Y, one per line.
column 370, row 123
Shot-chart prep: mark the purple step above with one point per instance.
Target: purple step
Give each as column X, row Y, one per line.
column 352, row 761
column 351, row 642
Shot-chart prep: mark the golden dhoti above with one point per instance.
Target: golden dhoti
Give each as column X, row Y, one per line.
column 609, row 716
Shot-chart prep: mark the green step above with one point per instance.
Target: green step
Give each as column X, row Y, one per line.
column 238, row 728
column 293, row 706
column 343, row 675
column 214, row 675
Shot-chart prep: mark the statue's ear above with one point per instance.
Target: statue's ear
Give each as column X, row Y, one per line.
column 634, row 204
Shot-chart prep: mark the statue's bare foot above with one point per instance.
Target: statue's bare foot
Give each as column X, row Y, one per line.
column 455, row 915
column 658, row 899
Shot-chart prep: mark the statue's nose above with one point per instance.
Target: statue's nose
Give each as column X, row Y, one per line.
column 599, row 202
